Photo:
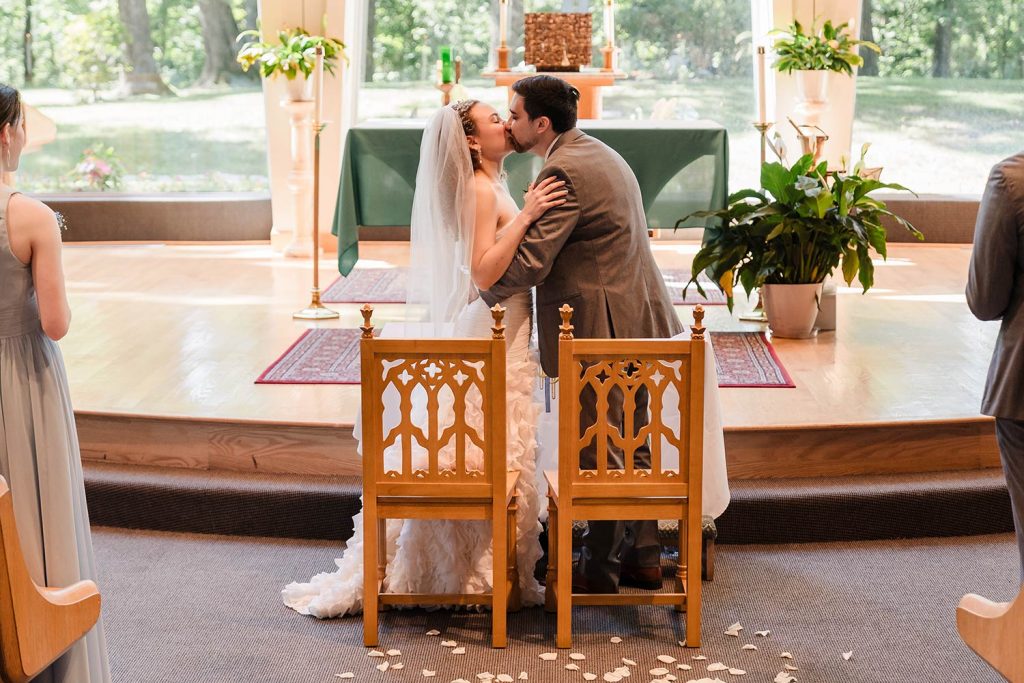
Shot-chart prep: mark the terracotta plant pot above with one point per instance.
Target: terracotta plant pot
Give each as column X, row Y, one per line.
column 791, row 309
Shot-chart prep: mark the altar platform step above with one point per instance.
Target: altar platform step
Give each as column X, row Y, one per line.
column 761, row 511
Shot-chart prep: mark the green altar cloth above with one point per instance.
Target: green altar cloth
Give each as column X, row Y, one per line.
column 682, row 166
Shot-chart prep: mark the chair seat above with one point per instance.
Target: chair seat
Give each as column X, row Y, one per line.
column 551, row 477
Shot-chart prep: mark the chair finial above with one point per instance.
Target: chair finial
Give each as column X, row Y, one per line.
column 367, row 326
column 498, row 313
column 566, row 326
column 697, row 329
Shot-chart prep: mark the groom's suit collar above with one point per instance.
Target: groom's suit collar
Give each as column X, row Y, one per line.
column 566, row 137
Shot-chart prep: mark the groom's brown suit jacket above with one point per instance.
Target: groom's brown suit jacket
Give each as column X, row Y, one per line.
column 592, row 253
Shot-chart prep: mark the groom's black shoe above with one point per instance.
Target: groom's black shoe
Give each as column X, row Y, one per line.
column 648, row 578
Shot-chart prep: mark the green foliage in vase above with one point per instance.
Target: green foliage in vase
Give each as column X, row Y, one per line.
column 830, row 49
column 798, row 229
column 294, row 53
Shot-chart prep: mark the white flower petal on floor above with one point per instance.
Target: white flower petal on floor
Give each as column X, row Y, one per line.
column 624, row 672
column 577, row 656
column 460, row 680
column 616, row 639
column 485, row 676
column 572, row 667
column 589, row 676
column 375, row 653
column 748, row 646
column 612, row 677
column 347, row 674
column 847, row 655
column 667, row 659
column 628, row 662
column 548, row 656
column 459, row 651
column 683, row 667
column 398, row 665
column 790, row 667
column 763, row 634
column 504, row 678
column 523, row 676
column 427, row 673
column 394, row 653
column 698, row 658
column 783, row 677
column 383, row 666
column 448, row 643
column 660, row 671
column 786, row 655
column 737, row 672
column 717, row 666
column 433, row 632
column 734, row 630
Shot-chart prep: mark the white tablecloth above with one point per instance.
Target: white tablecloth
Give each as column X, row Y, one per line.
column 716, row 481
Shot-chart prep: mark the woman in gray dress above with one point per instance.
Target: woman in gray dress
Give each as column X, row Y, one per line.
column 39, row 454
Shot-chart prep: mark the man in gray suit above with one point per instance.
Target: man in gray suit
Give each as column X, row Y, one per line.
column 995, row 291
column 592, row 253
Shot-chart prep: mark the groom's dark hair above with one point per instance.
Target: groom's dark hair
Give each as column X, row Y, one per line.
column 551, row 97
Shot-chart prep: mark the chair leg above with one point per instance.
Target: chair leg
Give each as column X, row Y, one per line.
column 371, row 601
column 682, row 566
column 708, row 560
column 551, row 579
column 499, row 575
column 515, row 598
column 693, row 588
column 563, row 587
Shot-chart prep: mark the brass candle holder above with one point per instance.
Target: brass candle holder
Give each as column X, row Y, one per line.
column 316, row 310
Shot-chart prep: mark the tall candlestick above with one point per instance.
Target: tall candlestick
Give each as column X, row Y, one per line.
column 503, row 22
column 318, row 84
column 762, row 97
column 609, row 23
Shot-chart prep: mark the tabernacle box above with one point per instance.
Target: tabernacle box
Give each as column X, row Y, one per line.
column 558, row 41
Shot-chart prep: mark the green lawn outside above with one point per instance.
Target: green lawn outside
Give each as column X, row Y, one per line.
column 935, row 136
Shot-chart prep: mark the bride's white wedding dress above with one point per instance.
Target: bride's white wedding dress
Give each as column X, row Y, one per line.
column 464, row 566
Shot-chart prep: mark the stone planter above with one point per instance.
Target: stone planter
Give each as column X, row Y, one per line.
column 300, row 88
column 812, row 86
column 791, row 309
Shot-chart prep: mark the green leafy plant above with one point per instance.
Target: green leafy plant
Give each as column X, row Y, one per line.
column 294, row 53
column 797, row 230
column 830, row 49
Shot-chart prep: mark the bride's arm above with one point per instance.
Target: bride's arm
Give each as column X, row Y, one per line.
column 492, row 254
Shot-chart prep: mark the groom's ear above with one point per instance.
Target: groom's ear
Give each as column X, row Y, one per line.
column 543, row 124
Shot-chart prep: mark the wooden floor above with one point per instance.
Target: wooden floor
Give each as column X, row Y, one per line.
column 166, row 342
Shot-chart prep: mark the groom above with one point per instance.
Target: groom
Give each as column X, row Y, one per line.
column 592, row 253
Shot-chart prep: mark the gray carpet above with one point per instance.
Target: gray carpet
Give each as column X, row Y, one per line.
column 181, row 607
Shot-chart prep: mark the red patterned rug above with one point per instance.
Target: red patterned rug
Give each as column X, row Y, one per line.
column 748, row 359
column 368, row 286
column 331, row 356
column 676, row 279
column 320, row 356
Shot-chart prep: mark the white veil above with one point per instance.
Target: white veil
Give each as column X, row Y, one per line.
column 443, row 214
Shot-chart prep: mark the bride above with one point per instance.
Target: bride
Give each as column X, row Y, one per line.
column 465, row 230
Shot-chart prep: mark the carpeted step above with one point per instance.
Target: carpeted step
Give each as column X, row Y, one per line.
column 761, row 511
column 221, row 502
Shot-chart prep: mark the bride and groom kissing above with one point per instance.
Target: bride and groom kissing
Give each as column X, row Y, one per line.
column 581, row 239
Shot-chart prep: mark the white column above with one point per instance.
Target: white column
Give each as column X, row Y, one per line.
column 837, row 119
column 291, row 208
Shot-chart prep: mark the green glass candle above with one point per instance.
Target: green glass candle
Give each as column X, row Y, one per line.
column 447, row 68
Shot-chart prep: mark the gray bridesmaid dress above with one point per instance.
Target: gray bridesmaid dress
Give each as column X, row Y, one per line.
column 40, row 459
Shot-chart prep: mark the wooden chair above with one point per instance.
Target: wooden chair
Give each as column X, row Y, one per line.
column 632, row 490
column 995, row 630
column 441, row 481
column 37, row 625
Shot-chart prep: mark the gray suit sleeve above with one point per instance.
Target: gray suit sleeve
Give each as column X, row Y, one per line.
column 541, row 244
column 990, row 281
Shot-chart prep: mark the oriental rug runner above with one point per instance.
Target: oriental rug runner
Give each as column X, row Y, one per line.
column 331, row 356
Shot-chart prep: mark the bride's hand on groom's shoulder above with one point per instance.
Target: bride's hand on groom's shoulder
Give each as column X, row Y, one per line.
column 542, row 196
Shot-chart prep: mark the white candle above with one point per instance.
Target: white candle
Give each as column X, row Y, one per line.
column 503, row 22
column 318, row 84
column 762, row 98
column 609, row 23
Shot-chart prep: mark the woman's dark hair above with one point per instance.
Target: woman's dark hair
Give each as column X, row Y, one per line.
column 464, row 109
column 10, row 106
column 551, row 97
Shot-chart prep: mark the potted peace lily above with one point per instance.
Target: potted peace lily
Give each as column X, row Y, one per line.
column 811, row 56
column 791, row 235
column 292, row 56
